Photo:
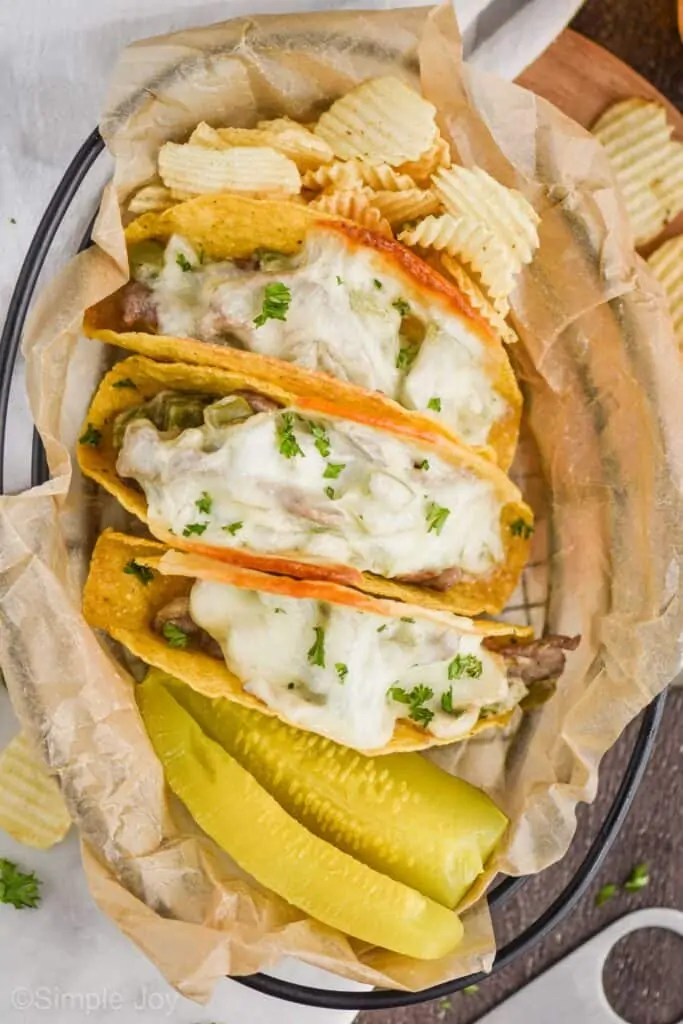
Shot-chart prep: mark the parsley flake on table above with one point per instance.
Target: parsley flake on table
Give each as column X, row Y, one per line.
column 91, row 436
column 436, row 517
column 125, row 382
column 520, row 528
column 289, row 446
column 333, row 469
column 638, row 879
column 143, row 572
column 469, row 990
column 276, row 300
column 401, row 306
column 194, row 529
column 465, row 665
column 232, row 529
column 316, row 653
column 204, row 503
column 183, row 262
column 342, row 671
column 606, row 893
column 13, row 220
column 406, row 356
column 17, row 889
column 174, row 635
column 434, row 404
column 322, row 441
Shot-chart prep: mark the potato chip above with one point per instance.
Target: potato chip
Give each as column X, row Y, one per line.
column 647, row 163
column 339, row 175
column 381, row 121
column 383, row 177
column 283, row 135
column 32, row 809
column 257, row 171
column 472, row 243
column 438, row 155
column 478, row 300
column 354, row 205
column 150, row 199
column 399, row 207
column 666, row 263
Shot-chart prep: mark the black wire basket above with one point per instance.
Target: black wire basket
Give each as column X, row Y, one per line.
column 293, row 992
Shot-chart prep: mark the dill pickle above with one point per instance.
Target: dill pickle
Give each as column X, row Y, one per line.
column 398, row 813
column 310, row 873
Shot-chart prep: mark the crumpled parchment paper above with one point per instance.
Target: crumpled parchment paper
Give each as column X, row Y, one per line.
column 602, row 382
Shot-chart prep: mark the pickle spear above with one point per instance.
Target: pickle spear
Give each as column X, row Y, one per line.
column 399, row 813
column 232, row 808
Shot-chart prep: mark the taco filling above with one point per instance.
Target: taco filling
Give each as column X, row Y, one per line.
column 350, row 674
column 240, row 472
column 336, row 306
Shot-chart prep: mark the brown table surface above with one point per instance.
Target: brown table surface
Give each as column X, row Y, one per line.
column 644, row 975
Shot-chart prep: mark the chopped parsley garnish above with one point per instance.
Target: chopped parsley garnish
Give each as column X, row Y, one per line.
column 401, row 306
column 339, row 280
column 520, row 528
column 193, row 529
column 377, row 283
column 280, row 611
column 289, row 446
column 183, row 262
column 465, row 665
column 329, row 491
column 406, row 618
column 12, row 220
column 333, row 469
column 204, row 503
column 434, row 404
column 91, row 436
column 423, row 465
column 469, row 990
column 232, row 529
column 316, row 654
column 638, row 879
column 342, row 671
column 174, row 635
column 436, row 517
column 606, row 893
column 276, row 300
column 125, row 382
column 416, row 700
column 406, row 356
column 380, row 629
column 322, row 441
column 290, row 686
column 143, row 572
column 17, row 889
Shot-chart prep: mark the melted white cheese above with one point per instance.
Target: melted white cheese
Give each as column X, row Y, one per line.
column 375, row 515
column 342, row 319
column 267, row 642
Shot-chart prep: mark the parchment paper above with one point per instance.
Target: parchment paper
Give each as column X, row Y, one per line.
column 602, row 382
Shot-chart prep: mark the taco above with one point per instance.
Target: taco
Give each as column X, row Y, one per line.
column 275, row 279
column 372, row 674
column 367, row 495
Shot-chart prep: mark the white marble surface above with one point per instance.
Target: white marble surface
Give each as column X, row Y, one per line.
column 65, row 963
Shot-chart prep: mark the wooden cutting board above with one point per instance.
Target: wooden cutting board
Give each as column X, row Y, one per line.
column 582, row 79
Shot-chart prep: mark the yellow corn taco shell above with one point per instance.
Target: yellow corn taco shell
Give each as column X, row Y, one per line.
column 125, row 607
column 226, row 227
column 138, row 379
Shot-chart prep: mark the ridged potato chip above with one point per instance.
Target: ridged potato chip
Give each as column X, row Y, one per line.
column 473, row 243
column 647, row 163
column 382, row 177
column 381, row 121
column 666, row 263
column 287, row 137
column 354, row 205
column 469, row 287
column 257, row 171
column 438, row 155
column 399, row 207
column 32, row 809
column 335, row 176
column 150, row 199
